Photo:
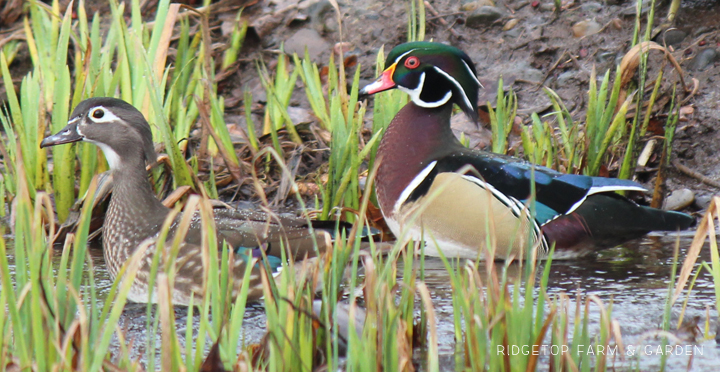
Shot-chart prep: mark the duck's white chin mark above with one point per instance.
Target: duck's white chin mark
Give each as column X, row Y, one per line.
column 113, row 159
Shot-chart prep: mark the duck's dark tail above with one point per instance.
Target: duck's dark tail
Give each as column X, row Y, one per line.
column 606, row 220
column 335, row 228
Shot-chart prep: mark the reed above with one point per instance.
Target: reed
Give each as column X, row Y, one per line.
column 357, row 307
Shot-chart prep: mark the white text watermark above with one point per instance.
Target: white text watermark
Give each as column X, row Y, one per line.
column 611, row 350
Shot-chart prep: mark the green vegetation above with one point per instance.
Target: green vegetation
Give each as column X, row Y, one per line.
column 54, row 319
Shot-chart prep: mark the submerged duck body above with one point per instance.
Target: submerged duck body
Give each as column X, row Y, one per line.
column 135, row 215
column 461, row 201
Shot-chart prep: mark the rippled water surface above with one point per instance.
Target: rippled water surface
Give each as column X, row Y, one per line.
column 635, row 277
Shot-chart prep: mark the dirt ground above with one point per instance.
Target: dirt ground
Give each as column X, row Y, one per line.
column 531, row 46
column 526, row 42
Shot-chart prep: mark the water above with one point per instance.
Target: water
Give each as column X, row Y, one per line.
column 635, row 277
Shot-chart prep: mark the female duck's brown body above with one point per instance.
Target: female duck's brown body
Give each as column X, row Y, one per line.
column 135, row 216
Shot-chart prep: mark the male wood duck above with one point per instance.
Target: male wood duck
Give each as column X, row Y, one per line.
column 419, row 157
column 135, row 214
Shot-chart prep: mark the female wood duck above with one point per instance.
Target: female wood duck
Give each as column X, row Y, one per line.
column 463, row 212
column 135, row 214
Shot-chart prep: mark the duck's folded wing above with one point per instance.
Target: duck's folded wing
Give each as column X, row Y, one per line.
column 247, row 229
column 556, row 193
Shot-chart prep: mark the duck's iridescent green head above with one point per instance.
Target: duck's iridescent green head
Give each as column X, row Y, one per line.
column 433, row 74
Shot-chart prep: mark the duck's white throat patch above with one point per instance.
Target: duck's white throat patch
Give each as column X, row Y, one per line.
column 113, row 159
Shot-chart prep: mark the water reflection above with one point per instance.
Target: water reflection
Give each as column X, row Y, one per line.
column 635, row 277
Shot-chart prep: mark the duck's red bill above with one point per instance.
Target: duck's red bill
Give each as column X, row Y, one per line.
column 384, row 82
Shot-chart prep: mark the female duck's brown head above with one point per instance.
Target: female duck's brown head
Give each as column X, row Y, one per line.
column 113, row 125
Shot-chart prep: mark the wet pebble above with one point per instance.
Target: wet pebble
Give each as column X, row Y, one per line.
column 547, row 7
column 631, row 11
column 483, row 16
column 471, row 5
column 509, row 25
column 672, row 37
column 513, row 34
column 701, row 30
column 703, row 201
column 704, row 58
column 530, row 74
column 679, row 199
column 330, row 26
column 564, row 78
column 591, row 7
column 315, row 8
column 309, row 38
column 585, row 28
column 605, row 57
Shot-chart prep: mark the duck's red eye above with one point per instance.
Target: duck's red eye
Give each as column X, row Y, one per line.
column 412, row 62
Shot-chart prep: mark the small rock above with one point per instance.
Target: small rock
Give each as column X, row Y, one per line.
column 531, row 74
column 519, row 70
column 703, row 59
column 299, row 115
column 483, row 16
column 478, row 137
column 591, row 7
column 605, row 57
column 585, row 28
column 679, row 199
column 703, row 201
column 372, row 16
column 547, row 7
column 701, row 30
column 564, row 78
column 471, row 5
column 315, row 9
column 509, row 25
column 330, row 26
column 309, row 38
column 672, row 37
column 631, row 11
column 513, row 34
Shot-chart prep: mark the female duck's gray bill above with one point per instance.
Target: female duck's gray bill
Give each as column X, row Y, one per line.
column 66, row 135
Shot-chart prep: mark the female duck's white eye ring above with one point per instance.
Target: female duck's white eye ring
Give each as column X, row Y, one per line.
column 98, row 113
column 412, row 62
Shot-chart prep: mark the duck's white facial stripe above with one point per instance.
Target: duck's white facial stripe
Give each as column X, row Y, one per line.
column 471, row 73
column 455, row 82
column 112, row 157
column 415, row 94
column 107, row 116
column 412, row 186
column 397, row 60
